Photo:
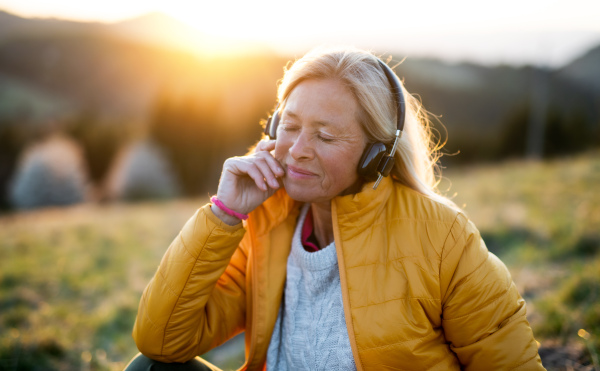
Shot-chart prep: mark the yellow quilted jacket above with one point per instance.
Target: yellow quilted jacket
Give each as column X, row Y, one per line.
column 420, row 289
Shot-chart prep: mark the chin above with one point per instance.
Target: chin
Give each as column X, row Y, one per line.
column 300, row 196
column 300, row 193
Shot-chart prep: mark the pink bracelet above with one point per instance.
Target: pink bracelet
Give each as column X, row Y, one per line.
column 227, row 210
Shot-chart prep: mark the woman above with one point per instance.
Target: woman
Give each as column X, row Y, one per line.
column 328, row 272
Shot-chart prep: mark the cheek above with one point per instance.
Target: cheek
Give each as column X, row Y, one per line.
column 342, row 166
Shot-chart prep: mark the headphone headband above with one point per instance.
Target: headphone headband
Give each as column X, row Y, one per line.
column 397, row 92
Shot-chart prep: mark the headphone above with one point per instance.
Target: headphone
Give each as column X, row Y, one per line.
column 378, row 159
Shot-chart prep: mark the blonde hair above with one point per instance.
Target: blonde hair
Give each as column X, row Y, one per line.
column 418, row 151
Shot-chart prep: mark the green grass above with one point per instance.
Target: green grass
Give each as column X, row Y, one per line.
column 543, row 220
column 71, row 278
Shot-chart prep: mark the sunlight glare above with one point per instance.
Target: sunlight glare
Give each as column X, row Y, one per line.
column 512, row 29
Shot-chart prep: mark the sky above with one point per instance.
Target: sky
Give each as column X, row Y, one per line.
column 540, row 32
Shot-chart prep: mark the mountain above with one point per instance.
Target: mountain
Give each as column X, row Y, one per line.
column 12, row 26
column 119, row 70
column 156, row 29
column 115, row 70
column 118, row 78
column 585, row 70
column 478, row 100
column 162, row 30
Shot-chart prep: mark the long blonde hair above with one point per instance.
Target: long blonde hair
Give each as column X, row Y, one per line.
column 417, row 154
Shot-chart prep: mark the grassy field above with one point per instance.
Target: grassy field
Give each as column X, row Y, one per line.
column 71, row 278
column 543, row 221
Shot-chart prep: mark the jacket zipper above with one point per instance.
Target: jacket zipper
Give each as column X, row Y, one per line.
column 344, row 284
column 253, row 335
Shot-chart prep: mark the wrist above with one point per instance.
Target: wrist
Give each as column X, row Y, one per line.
column 225, row 213
column 224, row 217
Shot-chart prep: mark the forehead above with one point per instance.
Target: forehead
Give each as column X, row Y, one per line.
column 322, row 101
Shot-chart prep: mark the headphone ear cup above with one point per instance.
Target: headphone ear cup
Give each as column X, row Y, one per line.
column 272, row 123
column 370, row 160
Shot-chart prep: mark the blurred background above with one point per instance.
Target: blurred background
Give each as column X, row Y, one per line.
column 116, row 117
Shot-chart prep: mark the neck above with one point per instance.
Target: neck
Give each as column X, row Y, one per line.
column 323, row 223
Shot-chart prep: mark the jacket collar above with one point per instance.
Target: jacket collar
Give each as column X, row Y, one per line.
column 273, row 212
column 368, row 203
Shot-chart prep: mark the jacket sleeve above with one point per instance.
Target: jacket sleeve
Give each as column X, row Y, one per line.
column 196, row 299
column 483, row 314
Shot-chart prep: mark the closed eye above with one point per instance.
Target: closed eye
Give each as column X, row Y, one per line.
column 325, row 139
column 288, row 127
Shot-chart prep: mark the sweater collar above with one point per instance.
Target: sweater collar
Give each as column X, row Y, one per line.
column 306, row 260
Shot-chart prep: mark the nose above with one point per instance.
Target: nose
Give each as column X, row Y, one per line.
column 301, row 148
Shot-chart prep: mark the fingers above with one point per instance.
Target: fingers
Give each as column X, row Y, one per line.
column 247, row 181
column 271, row 162
column 265, row 145
column 261, row 167
column 258, row 177
column 268, row 170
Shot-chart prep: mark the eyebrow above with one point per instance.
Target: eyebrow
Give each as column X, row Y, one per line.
column 295, row 116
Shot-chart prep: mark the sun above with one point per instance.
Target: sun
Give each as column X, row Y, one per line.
column 220, row 18
column 217, row 30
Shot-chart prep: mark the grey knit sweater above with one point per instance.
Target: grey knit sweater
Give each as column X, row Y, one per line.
column 310, row 332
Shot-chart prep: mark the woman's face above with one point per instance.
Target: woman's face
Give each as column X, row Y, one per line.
column 319, row 141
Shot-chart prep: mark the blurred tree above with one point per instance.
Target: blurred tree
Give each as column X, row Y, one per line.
column 191, row 133
column 49, row 173
column 568, row 132
column 537, row 116
column 13, row 139
column 100, row 141
column 563, row 133
column 513, row 139
column 141, row 172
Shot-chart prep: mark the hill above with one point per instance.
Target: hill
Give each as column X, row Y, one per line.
column 164, row 31
column 488, row 111
column 119, row 78
column 585, row 70
column 12, row 26
column 117, row 70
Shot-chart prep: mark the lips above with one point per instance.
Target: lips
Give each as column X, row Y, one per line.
column 299, row 173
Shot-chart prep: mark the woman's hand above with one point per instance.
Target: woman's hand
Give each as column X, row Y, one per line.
column 247, row 181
